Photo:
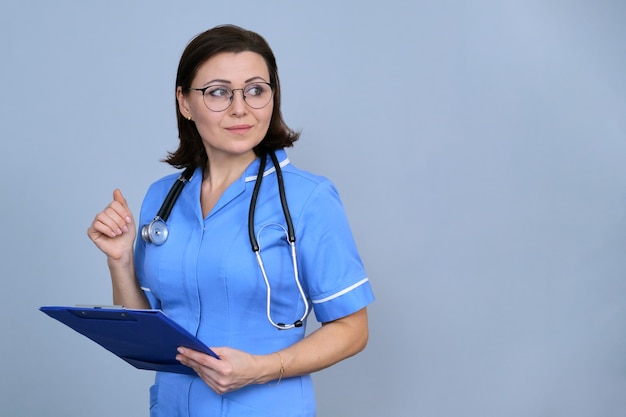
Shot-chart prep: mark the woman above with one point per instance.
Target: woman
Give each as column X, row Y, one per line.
column 207, row 278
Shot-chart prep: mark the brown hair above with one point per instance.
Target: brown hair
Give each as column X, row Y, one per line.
column 226, row 38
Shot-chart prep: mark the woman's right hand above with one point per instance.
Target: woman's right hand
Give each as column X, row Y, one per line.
column 113, row 229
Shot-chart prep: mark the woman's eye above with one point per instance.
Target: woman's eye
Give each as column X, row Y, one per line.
column 219, row 92
column 255, row 90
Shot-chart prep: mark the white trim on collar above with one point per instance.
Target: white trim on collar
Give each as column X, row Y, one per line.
column 267, row 172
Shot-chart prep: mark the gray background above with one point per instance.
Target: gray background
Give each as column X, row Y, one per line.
column 479, row 147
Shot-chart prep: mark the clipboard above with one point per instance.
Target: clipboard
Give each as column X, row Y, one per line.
column 146, row 339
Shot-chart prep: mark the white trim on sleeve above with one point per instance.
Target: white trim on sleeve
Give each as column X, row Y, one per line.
column 342, row 292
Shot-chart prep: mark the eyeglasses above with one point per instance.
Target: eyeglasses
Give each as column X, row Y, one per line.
column 219, row 97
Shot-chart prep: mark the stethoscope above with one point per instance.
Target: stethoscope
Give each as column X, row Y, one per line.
column 156, row 232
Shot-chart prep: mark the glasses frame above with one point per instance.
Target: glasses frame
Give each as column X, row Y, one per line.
column 232, row 94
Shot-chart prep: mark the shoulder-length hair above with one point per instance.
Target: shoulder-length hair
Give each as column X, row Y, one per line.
column 226, row 38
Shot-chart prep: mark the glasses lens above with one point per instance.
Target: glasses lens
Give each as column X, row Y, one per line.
column 258, row 95
column 217, row 97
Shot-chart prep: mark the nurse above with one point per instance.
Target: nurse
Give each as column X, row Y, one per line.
column 205, row 275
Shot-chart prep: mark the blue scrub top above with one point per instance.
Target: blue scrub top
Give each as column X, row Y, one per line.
column 206, row 278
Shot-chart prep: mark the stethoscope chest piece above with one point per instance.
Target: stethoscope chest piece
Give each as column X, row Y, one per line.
column 155, row 232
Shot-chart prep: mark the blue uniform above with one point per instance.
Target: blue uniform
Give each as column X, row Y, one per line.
column 206, row 278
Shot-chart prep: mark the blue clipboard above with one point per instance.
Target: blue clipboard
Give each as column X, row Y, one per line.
column 146, row 339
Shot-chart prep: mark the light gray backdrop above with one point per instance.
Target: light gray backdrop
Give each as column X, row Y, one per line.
column 479, row 147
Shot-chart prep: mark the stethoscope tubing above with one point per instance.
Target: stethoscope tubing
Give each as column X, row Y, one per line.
column 291, row 237
column 291, row 234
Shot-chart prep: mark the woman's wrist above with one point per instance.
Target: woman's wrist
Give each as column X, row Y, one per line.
column 123, row 260
column 281, row 370
column 272, row 368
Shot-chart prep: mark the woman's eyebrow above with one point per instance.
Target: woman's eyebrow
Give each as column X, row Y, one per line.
column 254, row 79
column 221, row 81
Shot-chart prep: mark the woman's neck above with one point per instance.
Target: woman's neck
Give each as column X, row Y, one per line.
column 218, row 175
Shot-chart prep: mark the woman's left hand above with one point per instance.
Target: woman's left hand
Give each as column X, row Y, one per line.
column 235, row 369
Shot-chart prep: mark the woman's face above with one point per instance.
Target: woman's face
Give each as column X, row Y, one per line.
column 239, row 128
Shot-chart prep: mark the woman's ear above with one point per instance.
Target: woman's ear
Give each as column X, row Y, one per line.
column 183, row 104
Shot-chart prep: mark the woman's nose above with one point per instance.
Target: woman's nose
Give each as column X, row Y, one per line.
column 238, row 105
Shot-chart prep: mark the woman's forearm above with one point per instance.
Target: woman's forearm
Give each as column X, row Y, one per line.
column 126, row 289
column 332, row 343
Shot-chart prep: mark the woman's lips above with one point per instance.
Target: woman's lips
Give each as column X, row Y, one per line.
column 239, row 129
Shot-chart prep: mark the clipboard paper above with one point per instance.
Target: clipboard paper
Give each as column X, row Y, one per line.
column 146, row 339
